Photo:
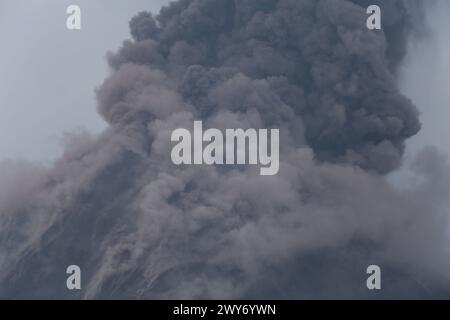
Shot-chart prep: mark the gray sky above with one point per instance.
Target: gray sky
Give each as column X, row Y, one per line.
column 48, row 74
column 425, row 78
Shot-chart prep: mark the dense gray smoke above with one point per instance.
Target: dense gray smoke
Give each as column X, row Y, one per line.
column 320, row 74
column 138, row 226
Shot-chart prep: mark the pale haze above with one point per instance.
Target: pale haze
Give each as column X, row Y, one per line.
column 425, row 78
column 49, row 74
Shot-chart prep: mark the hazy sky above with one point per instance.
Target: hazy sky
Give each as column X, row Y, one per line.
column 426, row 80
column 48, row 74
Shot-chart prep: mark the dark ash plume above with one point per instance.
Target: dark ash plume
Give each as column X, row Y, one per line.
column 140, row 227
column 314, row 57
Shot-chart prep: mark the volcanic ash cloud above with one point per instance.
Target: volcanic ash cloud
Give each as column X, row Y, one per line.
column 141, row 227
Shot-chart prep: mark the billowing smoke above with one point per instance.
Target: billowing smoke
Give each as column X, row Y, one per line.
column 138, row 226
